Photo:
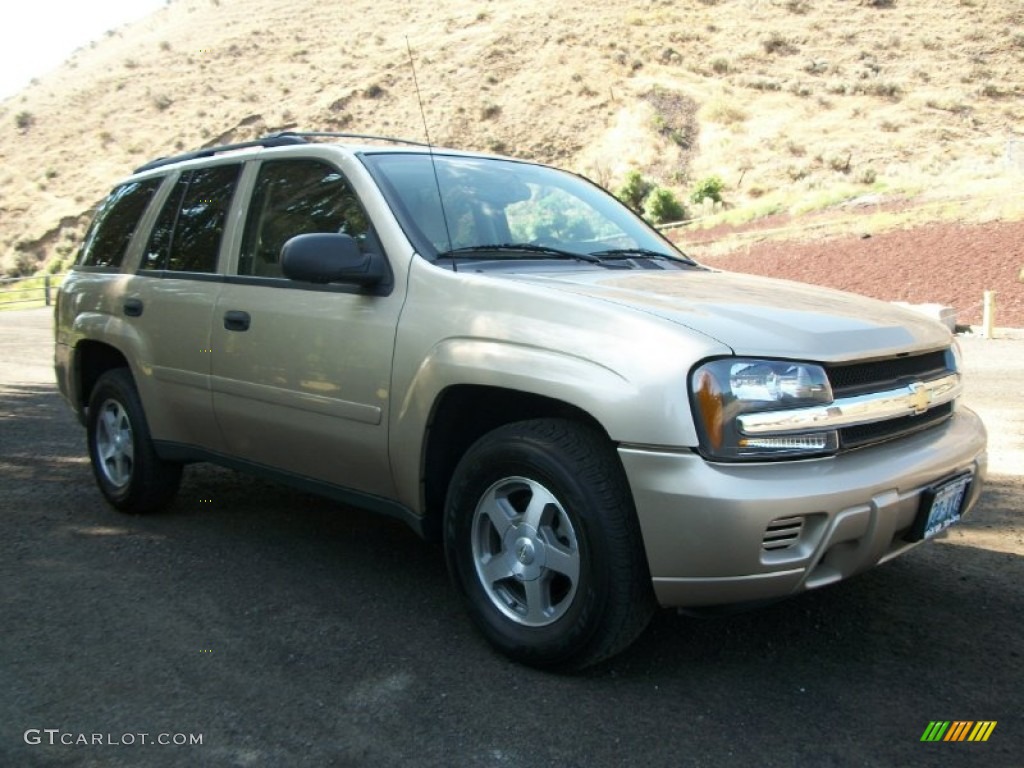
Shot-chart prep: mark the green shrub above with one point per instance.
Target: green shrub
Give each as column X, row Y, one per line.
column 634, row 190
column 661, row 206
column 709, row 187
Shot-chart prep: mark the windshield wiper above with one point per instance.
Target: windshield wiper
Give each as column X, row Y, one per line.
column 521, row 248
column 645, row 253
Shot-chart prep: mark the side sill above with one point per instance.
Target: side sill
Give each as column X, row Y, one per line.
column 172, row 451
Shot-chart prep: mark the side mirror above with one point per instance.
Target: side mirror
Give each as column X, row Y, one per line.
column 330, row 258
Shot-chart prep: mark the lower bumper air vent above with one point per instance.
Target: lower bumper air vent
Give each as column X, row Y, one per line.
column 782, row 533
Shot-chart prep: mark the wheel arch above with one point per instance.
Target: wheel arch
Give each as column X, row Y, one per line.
column 464, row 413
column 91, row 360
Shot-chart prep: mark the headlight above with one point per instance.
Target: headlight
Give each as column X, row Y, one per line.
column 954, row 357
column 721, row 390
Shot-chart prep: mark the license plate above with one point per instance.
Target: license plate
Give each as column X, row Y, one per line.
column 941, row 506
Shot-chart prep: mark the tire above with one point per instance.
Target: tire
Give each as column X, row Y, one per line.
column 542, row 540
column 128, row 471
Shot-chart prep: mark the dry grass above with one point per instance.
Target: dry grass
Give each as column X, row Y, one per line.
column 916, row 100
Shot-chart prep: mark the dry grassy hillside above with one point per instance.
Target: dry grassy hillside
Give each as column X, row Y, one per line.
column 791, row 102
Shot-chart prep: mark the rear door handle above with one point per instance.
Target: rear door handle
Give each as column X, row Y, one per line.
column 133, row 307
column 237, row 320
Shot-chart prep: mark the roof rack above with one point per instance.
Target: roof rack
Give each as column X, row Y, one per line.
column 279, row 139
column 275, row 140
column 336, row 135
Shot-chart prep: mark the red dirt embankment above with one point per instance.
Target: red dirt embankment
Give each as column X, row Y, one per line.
column 950, row 264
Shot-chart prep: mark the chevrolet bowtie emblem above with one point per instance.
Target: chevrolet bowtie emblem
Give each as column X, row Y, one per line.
column 920, row 397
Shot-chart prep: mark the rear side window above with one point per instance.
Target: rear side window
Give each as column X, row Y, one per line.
column 188, row 232
column 296, row 197
column 115, row 223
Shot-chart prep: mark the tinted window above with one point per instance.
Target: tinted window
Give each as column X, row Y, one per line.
column 187, row 235
column 296, row 197
column 488, row 201
column 115, row 223
column 155, row 256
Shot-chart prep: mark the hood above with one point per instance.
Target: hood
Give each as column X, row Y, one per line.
column 758, row 316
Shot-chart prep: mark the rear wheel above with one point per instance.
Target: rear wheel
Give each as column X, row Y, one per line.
column 124, row 462
column 542, row 539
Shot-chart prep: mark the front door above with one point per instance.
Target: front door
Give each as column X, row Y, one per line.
column 301, row 373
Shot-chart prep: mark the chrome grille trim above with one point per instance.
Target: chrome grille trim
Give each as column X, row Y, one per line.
column 915, row 398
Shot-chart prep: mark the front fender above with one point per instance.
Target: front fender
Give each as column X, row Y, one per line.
column 607, row 395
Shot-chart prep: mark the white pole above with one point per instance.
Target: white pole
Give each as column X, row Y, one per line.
column 988, row 315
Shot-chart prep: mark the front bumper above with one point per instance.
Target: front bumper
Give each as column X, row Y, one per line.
column 728, row 533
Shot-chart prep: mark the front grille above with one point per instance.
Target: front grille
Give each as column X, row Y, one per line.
column 782, row 533
column 867, row 434
column 852, row 379
column 879, row 375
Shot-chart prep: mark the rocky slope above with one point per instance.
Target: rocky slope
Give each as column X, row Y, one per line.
column 784, row 98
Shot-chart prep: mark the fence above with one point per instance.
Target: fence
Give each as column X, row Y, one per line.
column 28, row 290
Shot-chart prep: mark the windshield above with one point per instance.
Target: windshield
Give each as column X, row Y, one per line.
column 498, row 206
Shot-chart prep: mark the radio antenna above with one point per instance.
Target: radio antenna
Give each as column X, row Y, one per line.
column 430, row 151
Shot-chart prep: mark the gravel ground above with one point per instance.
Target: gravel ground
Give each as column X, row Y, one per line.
column 951, row 264
column 289, row 631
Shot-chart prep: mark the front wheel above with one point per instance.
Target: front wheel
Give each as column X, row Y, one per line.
column 124, row 462
column 542, row 539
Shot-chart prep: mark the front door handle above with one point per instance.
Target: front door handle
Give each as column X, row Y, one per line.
column 237, row 320
column 133, row 307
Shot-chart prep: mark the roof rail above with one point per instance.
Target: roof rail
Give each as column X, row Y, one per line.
column 336, row 135
column 275, row 140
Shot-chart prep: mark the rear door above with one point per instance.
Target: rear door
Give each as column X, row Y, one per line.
column 301, row 372
column 171, row 302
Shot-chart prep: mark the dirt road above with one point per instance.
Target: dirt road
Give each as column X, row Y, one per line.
column 284, row 630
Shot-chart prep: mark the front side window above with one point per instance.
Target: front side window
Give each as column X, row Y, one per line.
column 296, row 197
column 188, row 232
column 116, row 221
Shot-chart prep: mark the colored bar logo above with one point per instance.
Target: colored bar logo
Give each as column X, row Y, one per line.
column 959, row 730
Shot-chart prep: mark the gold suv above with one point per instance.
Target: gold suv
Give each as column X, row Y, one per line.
column 504, row 356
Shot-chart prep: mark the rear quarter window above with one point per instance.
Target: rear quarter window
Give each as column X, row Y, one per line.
column 115, row 223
